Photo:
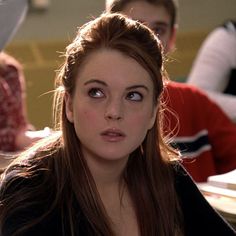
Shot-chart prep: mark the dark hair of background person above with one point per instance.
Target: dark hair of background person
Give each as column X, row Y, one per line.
column 171, row 7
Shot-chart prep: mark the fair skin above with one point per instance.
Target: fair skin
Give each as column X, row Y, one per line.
column 156, row 18
column 112, row 110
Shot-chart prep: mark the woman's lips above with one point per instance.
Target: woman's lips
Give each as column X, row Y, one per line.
column 113, row 135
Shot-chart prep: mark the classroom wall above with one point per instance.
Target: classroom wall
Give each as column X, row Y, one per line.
column 43, row 36
column 62, row 17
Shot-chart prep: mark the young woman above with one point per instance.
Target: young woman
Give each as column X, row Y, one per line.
column 109, row 170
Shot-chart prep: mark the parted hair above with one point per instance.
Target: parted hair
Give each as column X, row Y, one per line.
column 59, row 163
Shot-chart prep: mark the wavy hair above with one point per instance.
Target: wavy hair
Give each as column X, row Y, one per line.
column 59, row 163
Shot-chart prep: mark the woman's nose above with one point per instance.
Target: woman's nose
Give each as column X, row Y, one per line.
column 114, row 111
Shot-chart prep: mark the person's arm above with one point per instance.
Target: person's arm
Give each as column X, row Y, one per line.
column 222, row 136
column 226, row 102
column 212, row 68
column 221, row 132
column 14, row 133
column 196, row 114
column 7, row 133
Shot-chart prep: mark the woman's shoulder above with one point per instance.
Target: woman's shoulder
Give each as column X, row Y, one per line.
column 184, row 184
column 27, row 192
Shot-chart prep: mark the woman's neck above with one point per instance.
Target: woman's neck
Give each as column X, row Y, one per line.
column 108, row 176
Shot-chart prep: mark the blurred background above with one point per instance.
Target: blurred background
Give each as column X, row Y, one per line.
column 51, row 24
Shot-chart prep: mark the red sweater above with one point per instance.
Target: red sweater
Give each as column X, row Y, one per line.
column 206, row 137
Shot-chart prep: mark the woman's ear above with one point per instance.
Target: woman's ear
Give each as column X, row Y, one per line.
column 153, row 117
column 69, row 107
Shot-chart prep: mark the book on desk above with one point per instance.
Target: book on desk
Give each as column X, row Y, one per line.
column 220, row 192
column 226, row 181
column 222, row 185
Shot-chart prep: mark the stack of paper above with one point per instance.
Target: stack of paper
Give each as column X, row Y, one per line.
column 227, row 181
column 220, row 192
column 222, row 185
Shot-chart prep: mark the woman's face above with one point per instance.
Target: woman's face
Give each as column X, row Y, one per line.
column 112, row 106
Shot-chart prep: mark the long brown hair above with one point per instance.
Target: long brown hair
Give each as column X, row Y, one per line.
column 60, row 163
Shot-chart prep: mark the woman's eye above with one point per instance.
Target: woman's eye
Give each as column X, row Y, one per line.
column 135, row 96
column 96, row 93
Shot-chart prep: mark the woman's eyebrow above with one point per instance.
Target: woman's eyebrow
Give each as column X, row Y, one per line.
column 137, row 86
column 105, row 84
column 95, row 81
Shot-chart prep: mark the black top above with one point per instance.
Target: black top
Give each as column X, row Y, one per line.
column 199, row 217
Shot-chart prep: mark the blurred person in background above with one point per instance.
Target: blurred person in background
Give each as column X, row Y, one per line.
column 15, row 130
column 214, row 68
column 204, row 134
column 16, row 133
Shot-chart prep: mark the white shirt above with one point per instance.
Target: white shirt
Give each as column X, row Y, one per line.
column 213, row 65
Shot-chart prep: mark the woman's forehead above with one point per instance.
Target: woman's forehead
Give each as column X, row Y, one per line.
column 114, row 67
